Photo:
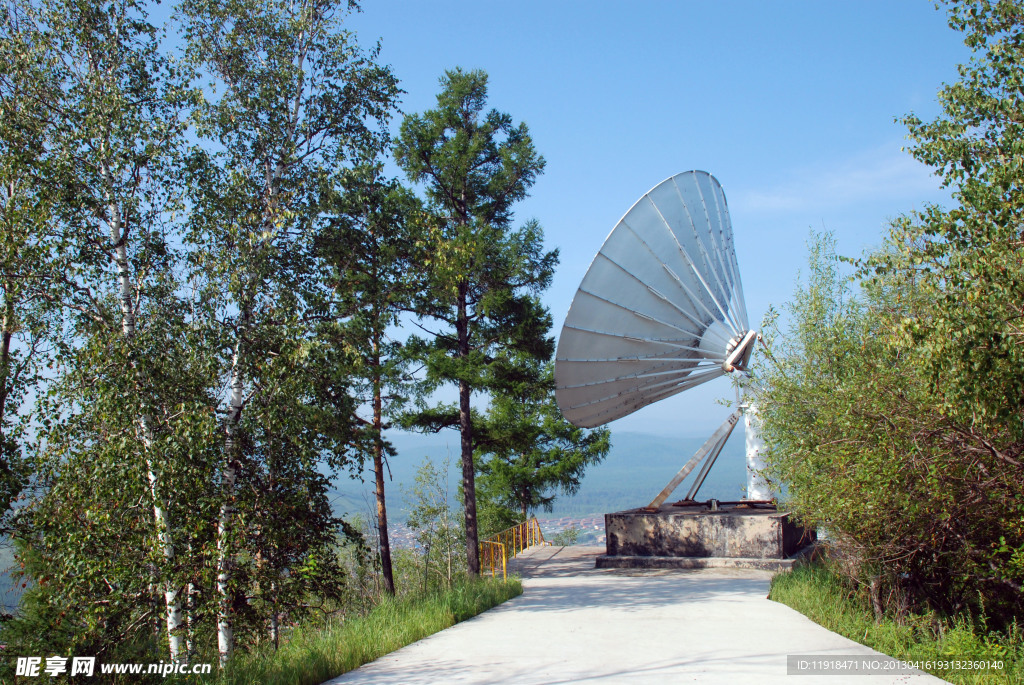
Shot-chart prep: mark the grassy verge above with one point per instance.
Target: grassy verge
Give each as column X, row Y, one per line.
column 820, row 595
column 315, row 653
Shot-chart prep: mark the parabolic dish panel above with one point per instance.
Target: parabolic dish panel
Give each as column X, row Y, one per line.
column 657, row 308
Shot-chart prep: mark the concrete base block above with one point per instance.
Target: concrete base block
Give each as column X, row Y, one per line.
column 605, row 561
column 690, row 534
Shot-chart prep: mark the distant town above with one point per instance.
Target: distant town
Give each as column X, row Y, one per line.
column 590, row 527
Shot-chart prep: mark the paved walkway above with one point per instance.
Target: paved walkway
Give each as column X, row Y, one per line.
column 577, row 624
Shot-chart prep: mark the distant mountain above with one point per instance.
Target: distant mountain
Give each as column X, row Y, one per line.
column 638, row 466
column 636, row 469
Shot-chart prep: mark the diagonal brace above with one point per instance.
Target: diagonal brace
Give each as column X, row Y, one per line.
column 716, row 440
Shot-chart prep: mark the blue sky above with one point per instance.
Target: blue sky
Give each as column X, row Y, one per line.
column 790, row 105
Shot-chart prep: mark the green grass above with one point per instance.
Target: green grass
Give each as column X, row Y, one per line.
column 315, row 653
column 819, row 594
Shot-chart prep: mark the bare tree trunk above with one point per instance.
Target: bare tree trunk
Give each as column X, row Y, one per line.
column 267, row 561
column 164, row 539
column 382, row 521
column 190, row 647
column 450, row 560
column 378, row 471
column 426, row 564
column 466, row 430
column 275, row 631
column 446, row 535
column 874, row 589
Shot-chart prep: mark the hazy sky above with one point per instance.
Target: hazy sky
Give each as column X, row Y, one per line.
column 791, row 105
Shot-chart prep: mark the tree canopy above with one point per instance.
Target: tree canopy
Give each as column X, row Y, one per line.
column 527, row 452
column 893, row 409
column 205, row 282
column 483, row 275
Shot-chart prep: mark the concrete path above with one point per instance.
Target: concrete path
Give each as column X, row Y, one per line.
column 577, row 624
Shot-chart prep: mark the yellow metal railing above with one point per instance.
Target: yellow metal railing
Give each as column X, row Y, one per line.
column 501, row 547
column 490, row 553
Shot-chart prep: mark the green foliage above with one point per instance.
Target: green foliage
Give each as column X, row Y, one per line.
column 153, row 492
column 456, row 147
column 893, row 412
column 24, row 319
column 482, row 276
column 107, row 128
column 435, row 520
column 824, row 596
column 88, row 537
column 493, row 515
column 526, row 451
column 566, row 537
column 315, row 652
column 373, row 247
column 293, row 102
column 201, row 265
column 966, row 261
column 922, row 512
column 25, row 211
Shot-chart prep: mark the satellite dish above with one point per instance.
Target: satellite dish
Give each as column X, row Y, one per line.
column 660, row 309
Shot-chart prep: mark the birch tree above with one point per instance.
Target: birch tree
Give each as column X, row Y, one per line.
column 24, row 214
column 107, row 109
column 291, row 101
column 436, row 523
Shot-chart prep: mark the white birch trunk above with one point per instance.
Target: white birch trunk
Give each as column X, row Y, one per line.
column 163, row 528
column 190, row 590
column 225, row 628
column 119, row 242
column 124, row 278
column 275, row 629
column 166, row 543
column 229, row 475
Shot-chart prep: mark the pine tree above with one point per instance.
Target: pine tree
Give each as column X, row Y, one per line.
column 527, row 451
column 374, row 248
column 483, row 275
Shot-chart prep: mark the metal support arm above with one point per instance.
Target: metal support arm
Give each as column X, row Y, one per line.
column 712, row 447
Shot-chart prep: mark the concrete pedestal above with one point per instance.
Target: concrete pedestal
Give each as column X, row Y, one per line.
column 696, row 537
